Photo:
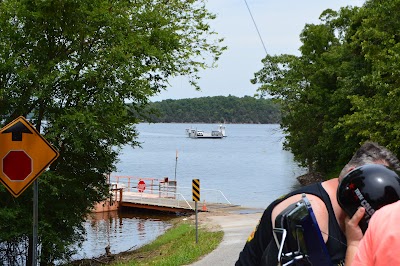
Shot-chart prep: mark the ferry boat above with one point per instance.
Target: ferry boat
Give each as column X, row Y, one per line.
column 214, row 134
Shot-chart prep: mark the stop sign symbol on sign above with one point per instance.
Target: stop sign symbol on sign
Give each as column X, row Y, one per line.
column 17, row 165
column 141, row 186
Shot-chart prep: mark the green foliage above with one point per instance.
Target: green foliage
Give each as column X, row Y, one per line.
column 218, row 109
column 343, row 89
column 72, row 66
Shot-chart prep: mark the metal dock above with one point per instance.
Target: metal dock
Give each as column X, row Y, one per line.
column 160, row 195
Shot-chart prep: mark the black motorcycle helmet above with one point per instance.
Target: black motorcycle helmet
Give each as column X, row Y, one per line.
column 371, row 186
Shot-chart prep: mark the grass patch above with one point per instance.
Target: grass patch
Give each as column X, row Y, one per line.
column 177, row 246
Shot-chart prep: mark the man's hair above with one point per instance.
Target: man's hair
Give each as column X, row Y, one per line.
column 371, row 152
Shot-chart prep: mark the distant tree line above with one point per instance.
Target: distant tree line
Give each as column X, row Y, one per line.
column 217, row 109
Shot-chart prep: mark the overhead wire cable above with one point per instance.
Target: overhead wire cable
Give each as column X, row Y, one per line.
column 255, row 25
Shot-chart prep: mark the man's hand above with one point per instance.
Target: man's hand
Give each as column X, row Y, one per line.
column 353, row 234
column 353, row 231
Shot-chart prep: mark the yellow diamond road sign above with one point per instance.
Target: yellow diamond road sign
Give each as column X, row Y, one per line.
column 24, row 155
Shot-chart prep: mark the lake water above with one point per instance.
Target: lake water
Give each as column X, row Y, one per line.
column 121, row 232
column 249, row 167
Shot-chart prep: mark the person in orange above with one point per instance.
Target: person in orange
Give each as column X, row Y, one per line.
column 381, row 243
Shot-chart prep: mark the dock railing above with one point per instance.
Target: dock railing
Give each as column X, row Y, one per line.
column 206, row 194
column 130, row 183
column 177, row 201
column 163, row 190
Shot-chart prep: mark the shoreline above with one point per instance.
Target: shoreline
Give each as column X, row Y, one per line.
column 236, row 222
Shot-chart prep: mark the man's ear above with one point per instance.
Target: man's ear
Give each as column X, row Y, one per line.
column 350, row 169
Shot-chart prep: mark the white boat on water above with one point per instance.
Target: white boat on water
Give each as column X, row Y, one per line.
column 214, row 134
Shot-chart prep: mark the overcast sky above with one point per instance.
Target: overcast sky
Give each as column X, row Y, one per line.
column 279, row 23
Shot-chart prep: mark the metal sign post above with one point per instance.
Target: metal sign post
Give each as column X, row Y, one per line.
column 197, row 224
column 176, row 163
column 35, row 222
column 196, row 198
